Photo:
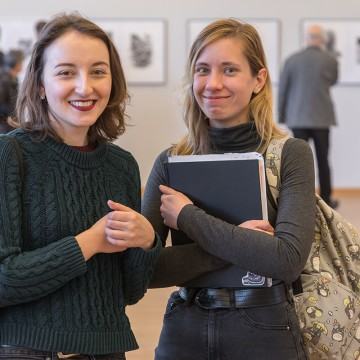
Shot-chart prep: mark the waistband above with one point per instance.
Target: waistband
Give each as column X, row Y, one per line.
column 24, row 351
column 30, row 352
column 208, row 298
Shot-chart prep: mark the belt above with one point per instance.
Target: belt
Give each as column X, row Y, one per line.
column 235, row 298
column 60, row 355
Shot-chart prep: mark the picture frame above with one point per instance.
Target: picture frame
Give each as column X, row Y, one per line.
column 141, row 44
column 343, row 41
column 269, row 31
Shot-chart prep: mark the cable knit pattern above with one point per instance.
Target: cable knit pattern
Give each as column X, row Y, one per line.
column 50, row 298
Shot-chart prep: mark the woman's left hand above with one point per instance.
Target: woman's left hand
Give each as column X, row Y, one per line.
column 259, row 225
column 172, row 202
column 127, row 228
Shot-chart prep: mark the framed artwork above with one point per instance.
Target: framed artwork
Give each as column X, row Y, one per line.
column 269, row 30
column 343, row 41
column 142, row 48
column 17, row 34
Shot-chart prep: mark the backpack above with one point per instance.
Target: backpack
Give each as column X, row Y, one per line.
column 328, row 307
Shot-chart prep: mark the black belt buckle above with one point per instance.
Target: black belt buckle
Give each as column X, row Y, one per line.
column 214, row 299
column 203, row 300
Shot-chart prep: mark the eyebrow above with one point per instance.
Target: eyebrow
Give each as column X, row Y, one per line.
column 225, row 63
column 201, row 64
column 229, row 63
column 73, row 65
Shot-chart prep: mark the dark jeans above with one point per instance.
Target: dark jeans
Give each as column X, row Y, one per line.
column 321, row 144
column 258, row 333
column 20, row 353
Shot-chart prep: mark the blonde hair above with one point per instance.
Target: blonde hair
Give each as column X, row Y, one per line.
column 260, row 108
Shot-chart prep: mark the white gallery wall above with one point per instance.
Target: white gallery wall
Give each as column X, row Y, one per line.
column 155, row 110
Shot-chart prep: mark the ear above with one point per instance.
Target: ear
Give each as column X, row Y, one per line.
column 42, row 93
column 260, row 80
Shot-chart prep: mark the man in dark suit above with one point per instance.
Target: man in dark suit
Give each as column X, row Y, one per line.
column 305, row 104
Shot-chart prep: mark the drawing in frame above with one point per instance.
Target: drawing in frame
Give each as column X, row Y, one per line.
column 343, row 41
column 269, row 31
column 142, row 48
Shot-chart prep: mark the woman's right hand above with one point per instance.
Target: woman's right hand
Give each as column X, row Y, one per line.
column 126, row 227
column 93, row 240
column 259, row 225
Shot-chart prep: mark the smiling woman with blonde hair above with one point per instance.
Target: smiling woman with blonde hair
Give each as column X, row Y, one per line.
column 217, row 313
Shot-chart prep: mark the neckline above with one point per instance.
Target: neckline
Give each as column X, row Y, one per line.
column 83, row 159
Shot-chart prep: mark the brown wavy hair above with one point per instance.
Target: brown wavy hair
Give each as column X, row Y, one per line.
column 32, row 112
column 260, row 108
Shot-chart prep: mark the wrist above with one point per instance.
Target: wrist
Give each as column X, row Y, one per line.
column 181, row 218
column 150, row 244
column 86, row 244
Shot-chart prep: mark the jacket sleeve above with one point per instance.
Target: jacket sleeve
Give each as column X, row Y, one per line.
column 334, row 71
column 176, row 264
column 28, row 275
column 284, row 83
column 281, row 256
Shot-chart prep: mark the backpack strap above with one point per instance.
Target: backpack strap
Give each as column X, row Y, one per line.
column 273, row 165
column 272, row 169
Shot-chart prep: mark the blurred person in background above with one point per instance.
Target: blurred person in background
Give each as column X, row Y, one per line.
column 305, row 103
column 1, row 59
column 13, row 62
column 39, row 25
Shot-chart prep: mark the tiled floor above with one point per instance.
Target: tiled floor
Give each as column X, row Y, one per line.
column 146, row 316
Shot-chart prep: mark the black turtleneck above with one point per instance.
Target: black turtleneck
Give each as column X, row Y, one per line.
column 240, row 138
column 218, row 244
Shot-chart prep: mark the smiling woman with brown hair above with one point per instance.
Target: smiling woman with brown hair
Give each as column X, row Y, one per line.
column 74, row 251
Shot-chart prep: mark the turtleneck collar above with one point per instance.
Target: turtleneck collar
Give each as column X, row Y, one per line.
column 240, row 138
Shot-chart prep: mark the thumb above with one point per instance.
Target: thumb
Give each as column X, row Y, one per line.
column 167, row 190
column 117, row 206
column 264, row 225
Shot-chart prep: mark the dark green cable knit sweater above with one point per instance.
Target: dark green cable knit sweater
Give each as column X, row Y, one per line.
column 50, row 298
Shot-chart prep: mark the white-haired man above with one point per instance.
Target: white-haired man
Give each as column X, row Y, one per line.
column 304, row 100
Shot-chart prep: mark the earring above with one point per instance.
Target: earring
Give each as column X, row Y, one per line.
column 42, row 97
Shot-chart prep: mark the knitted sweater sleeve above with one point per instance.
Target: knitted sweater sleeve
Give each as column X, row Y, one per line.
column 176, row 264
column 28, row 275
column 138, row 263
column 281, row 256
